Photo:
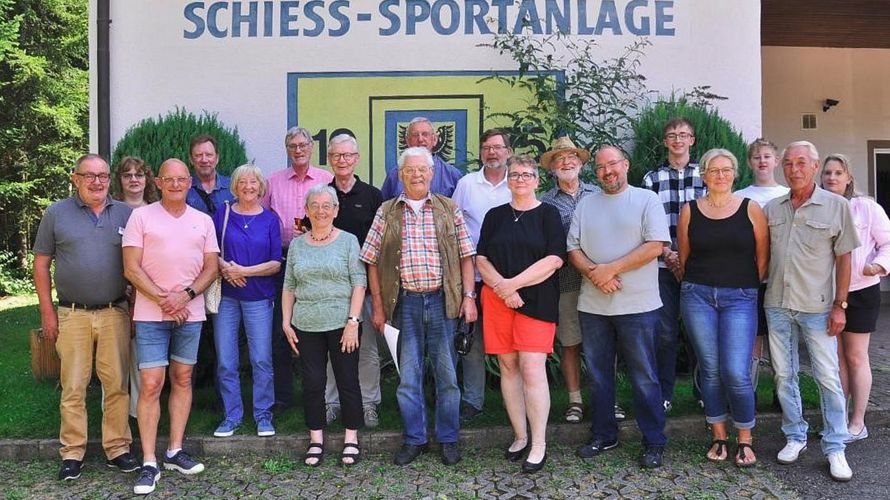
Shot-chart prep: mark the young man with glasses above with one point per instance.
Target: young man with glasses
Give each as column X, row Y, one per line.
column 677, row 181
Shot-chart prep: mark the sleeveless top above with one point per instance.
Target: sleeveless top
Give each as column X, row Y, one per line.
column 722, row 251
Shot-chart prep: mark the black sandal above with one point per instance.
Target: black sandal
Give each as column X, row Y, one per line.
column 741, row 456
column 356, row 457
column 721, row 450
column 319, row 455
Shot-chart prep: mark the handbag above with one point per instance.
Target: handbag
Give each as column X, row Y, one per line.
column 213, row 294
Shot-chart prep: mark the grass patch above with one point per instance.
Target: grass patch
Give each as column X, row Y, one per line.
column 35, row 413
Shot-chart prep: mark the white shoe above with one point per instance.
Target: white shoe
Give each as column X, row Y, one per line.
column 791, row 452
column 838, row 467
column 857, row 437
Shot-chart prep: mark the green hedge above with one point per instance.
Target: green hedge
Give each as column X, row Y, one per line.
column 711, row 131
column 156, row 140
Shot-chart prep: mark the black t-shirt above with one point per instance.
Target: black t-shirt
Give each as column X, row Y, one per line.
column 514, row 245
column 357, row 208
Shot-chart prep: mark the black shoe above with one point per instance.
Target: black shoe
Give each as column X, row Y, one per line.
column 469, row 412
column 530, row 468
column 408, row 453
column 652, row 457
column 449, row 453
column 124, row 463
column 514, row 456
column 70, row 470
column 595, row 447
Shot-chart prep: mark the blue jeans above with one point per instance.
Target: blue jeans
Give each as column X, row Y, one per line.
column 633, row 335
column 158, row 342
column 426, row 331
column 257, row 317
column 786, row 326
column 721, row 323
column 667, row 332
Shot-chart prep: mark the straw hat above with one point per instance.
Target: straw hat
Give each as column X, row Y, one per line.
column 560, row 145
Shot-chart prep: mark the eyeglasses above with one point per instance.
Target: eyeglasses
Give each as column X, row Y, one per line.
column 607, row 164
column 497, row 148
column 566, row 157
column 133, row 175
column 422, row 169
column 90, row 177
column 415, row 135
column 526, row 176
column 682, row 136
column 327, row 207
column 174, row 180
column 342, row 156
column 298, row 146
column 718, row 172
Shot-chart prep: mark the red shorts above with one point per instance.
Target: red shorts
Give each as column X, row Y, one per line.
column 506, row 330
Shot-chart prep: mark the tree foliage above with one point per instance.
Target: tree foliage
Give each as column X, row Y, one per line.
column 43, row 111
column 169, row 136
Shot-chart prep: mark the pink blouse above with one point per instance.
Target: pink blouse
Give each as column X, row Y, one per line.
column 873, row 228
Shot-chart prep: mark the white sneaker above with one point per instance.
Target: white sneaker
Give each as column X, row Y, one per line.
column 790, row 453
column 838, row 467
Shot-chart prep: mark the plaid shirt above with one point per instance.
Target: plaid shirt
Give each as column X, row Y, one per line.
column 286, row 196
column 675, row 189
column 569, row 277
column 420, row 262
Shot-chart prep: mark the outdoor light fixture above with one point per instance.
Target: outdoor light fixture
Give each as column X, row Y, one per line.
column 829, row 103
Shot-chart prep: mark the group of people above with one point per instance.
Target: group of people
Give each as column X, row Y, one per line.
column 314, row 263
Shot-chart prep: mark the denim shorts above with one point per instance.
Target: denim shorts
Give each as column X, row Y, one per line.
column 157, row 342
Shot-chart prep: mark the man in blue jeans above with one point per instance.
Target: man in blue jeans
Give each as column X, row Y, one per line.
column 613, row 241
column 811, row 236
column 420, row 273
column 170, row 256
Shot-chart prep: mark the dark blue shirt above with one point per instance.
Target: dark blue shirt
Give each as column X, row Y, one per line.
column 250, row 240
column 217, row 197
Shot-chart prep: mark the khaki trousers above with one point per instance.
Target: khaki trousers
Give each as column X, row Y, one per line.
column 108, row 330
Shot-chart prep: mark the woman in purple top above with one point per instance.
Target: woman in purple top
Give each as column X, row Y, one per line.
column 869, row 262
column 250, row 257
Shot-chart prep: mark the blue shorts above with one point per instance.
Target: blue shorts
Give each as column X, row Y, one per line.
column 157, row 342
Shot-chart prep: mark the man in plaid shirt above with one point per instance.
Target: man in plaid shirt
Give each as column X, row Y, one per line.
column 677, row 181
column 420, row 275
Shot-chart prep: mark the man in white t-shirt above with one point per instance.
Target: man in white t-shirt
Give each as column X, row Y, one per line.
column 170, row 257
column 763, row 158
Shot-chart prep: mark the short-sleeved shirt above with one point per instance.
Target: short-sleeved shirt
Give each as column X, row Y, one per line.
column 220, row 194
column 803, row 247
column 607, row 227
column 286, row 196
column 512, row 246
column 569, row 278
column 476, row 196
column 445, row 177
column 357, row 208
column 173, row 251
column 250, row 240
column 86, row 248
column 322, row 279
column 762, row 194
column 675, row 188
column 420, row 263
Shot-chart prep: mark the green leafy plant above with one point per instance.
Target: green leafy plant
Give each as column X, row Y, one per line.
column 711, row 131
column 572, row 91
column 169, row 136
column 14, row 278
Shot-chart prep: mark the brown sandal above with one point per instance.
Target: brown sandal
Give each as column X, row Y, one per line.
column 721, row 450
column 741, row 456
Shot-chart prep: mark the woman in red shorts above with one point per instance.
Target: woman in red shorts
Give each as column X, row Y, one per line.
column 521, row 245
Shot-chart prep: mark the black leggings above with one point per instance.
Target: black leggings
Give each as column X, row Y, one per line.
column 314, row 349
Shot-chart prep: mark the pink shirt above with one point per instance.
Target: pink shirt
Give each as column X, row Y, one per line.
column 873, row 229
column 286, row 196
column 173, row 251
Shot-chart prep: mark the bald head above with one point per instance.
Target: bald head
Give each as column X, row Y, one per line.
column 173, row 167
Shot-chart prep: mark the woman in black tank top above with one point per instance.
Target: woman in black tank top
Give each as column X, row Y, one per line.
column 724, row 247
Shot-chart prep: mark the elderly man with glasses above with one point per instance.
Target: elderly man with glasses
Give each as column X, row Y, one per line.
column 421, row 133
column 286, row 196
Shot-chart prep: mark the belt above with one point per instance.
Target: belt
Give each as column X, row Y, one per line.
column 92, row 307
column 421, row 294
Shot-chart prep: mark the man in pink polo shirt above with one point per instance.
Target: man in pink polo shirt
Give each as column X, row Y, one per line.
column 171, row 257
column 285, row 196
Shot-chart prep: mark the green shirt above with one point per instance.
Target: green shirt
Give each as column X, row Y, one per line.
column 322, row 278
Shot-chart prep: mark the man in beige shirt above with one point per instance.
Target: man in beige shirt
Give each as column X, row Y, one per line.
column 811, row 237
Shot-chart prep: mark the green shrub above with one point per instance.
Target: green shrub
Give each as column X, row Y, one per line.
column 14, row 279
column 711, row 131
column 156, row 140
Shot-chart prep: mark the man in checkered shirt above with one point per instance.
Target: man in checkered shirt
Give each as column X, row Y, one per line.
column 677, row 182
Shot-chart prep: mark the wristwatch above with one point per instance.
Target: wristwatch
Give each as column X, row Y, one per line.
column 354, row 319
column 191, row 293
column 841, row 303
column 471, row 294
